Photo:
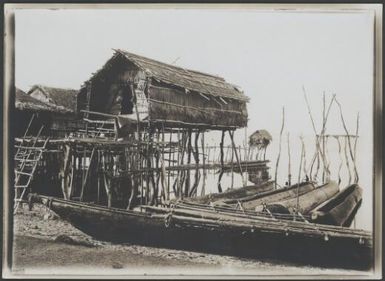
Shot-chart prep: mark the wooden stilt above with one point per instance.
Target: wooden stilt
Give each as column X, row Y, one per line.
column 197, row 173
column 222, row 163
column 204, row 164
column 89, row 171
column 231, row 133
column 188, row 173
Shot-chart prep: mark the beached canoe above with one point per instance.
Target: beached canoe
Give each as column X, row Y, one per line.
column 251, row 202
column 256, row 236
column 305, row 202
column 340, row 209
column 233, row 194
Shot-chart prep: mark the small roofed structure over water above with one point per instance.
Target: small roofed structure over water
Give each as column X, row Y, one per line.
column 260, row 140
column 144, row 89
column 63, row 98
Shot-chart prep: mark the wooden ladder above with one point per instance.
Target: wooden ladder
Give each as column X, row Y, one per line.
column 26, row 158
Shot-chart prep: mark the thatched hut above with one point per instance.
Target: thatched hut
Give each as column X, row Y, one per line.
column 140, row 88
column 260, row 140
column 64, row 119
column 26, row 106
column 62, row 98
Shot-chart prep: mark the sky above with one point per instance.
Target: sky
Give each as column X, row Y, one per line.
column 271, row 55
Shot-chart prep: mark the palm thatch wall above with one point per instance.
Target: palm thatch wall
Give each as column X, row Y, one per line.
column 174, row 95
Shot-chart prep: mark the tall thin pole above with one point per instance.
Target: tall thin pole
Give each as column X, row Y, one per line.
column 221, row 159
column 349, row 143
column 289, row 156
column 355, row 146
column 279, row 152
column 315, row 130
column 323, row 136
column 204, row 164
column 299, row 178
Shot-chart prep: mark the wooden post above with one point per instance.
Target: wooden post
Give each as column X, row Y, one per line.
column 298, row 182
column 189, row 150
column 85, row 181
column 204, row 164
column 222, row 163
column 304, row 156
column 73, row 167
column 355, row 149
column 108, row 190
column 347, row 161
column 279, row 151
column 65, row 170
column 231, row 133
column 315, row 131
column 169, row 164
column 98, row 177
column 341, row 158
column 289, row 165
column 323, row 137
column 197, row 173
column 232, row 168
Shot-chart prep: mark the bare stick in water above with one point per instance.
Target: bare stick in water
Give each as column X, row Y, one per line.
column 355, row 144
column 299, row 177
column 279, row 152
column 288, row 152
column 315, row 131
column 349, row 142
column 317, row 153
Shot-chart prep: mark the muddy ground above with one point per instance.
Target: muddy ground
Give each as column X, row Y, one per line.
column 44, row 244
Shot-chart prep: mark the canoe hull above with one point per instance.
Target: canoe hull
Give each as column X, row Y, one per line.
column 340, row 209
column 145, row 229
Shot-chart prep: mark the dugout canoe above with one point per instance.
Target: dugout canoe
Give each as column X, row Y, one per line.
column 340, row 209
column 305, row 202
column 249, row 203
column 233, row 194
column 257, row 237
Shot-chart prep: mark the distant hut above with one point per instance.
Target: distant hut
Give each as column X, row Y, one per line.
column 65, row 98
column 146, row 90
column 26, row 106
column 260, row 139
column 65, row 101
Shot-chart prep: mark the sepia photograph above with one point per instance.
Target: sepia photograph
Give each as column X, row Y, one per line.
column 192, row 141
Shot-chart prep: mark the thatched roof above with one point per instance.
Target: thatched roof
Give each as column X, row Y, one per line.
column 260, row 137
column 23, row 101
column 188, row 79
column 174, row 94
column 65, row 98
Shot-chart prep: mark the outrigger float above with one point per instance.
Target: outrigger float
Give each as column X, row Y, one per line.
column 130, row 163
